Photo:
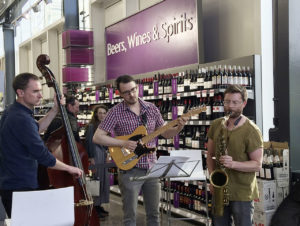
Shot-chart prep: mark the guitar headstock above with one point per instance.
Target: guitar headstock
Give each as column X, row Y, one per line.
column 195, row 111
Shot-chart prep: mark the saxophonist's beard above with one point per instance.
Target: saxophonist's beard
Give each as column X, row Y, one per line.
column 233, row 113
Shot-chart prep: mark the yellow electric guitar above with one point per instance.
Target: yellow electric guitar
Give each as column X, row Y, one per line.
column 126, row 159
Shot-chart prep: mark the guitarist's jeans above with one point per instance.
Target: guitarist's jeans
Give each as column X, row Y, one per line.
column 130, row 191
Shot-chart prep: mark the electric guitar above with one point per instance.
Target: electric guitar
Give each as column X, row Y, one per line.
column 126, row 159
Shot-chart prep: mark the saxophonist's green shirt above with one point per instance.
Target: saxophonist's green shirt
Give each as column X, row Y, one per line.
column 241, row 141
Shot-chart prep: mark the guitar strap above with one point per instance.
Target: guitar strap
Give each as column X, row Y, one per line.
column 144, row 119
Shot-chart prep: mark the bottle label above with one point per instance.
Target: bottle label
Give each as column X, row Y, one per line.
column 219, row 80
column 221, row 109
column 180, row 88
column 195, row 117
column 214, row 80
column 169, row 115
column 262, row 173
column 268, row 173
column 200, row 80
column 225, row 80
column 180, row 110
column 209, row 85
column 186, row 82
column 160, row 90
column 208, row 110
column 188, row 141
column 150, row 91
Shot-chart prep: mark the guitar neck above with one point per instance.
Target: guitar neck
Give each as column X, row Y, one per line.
column 171, row 124
column 159, row 131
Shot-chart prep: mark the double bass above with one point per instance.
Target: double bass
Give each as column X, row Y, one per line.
column 63, row 146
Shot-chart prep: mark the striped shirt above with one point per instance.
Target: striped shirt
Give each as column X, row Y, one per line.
column 121, row 121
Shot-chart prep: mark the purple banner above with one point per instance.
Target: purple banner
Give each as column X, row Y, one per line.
column 174, row 86
column 155, row 89
column 174, row 112
column 97, row 95
column 174, row 116
column 162, row 36
column 75, row 74
column 141, row 90
column 176, row 199
column 77, row 38
column 110, row 93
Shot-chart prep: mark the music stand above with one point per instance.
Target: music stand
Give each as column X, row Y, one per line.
column 171, row 167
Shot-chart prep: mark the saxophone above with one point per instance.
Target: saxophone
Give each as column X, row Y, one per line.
column 219, row 177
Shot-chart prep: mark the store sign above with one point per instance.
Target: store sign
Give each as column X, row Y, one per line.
column 160, row 37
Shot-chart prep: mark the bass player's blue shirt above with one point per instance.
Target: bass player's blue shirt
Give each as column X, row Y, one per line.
column 21, row 149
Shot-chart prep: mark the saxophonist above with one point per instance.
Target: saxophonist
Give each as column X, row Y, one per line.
column 242, row 158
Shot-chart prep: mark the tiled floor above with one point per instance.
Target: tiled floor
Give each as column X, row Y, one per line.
column 116, row 214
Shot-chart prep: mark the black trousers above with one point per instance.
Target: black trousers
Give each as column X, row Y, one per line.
column 6, row 196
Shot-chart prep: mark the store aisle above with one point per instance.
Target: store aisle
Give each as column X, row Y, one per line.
column 116, row 213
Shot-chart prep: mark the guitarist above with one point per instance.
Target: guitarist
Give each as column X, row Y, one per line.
column 122, row 120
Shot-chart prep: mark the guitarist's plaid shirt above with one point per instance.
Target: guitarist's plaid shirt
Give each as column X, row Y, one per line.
column 121, row 121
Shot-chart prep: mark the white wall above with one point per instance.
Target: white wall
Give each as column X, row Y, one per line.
column 147, row 3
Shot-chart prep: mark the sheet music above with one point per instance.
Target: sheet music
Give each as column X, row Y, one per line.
column 54, row 207
column 194, row 155
column 160, row 167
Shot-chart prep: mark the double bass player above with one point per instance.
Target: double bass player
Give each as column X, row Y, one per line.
column 21, row 147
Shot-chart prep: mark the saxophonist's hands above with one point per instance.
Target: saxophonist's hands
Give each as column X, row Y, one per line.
column 227, row 161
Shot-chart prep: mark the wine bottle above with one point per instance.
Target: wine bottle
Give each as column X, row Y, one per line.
column 208, row 109
column 245, row 77
column 219, row 77
column 249, row 75
column 196, row 138
column 188, row 136
column 187, row 81
column 240, row 76
column 180, row 83
column 200, row 79
column 160, row 83
column 235, row 76
column 214, row 76
column 230, row 76
column 215, row 108
column 225, row 77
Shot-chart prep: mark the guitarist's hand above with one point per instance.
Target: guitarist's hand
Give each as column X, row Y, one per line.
column 181, row 122
column 129, row 144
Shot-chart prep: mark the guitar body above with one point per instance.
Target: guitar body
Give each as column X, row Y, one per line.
column 125, row 159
